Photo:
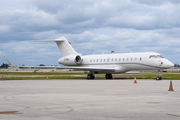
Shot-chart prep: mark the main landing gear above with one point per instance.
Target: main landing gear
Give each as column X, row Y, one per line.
column 90, row 76
column 108, row 76
column 158, row 75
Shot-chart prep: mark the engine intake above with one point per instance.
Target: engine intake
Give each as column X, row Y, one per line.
column 78, row 60
column 70, row 60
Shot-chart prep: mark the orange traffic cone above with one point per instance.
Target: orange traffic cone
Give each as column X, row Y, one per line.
column 47, row 77
column 171, row 87
column 2, row 77
column 135, row 80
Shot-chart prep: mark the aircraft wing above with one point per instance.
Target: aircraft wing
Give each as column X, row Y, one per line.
column 88, row 68
column 37, row 67
column 110, row 69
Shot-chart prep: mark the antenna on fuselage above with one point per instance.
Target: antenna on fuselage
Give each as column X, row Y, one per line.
column 112, row 52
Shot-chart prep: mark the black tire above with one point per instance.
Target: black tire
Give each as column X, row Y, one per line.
column 90, row 76
column 108, row 76
column 158, row 78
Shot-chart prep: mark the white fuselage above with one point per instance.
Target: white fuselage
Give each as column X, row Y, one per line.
column 108, row 63
column 122, row 62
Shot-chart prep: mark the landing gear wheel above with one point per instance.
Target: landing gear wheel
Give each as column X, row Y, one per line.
column 93, row 76
column 90, row 76
column 108, row 76
column 158, row 78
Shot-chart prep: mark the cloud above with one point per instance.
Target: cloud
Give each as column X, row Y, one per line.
column 125, row 40
column 126, row 14
column 157, row 2
column 4, row 28
column 31, row 60
column 91, row 26
column 22, row 52
column 79, row 16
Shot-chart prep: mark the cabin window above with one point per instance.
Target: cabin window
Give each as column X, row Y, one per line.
column 140, row 59
column 91, row 60
column 119, row 59
column 101, row 60
column 131, row 59
column 94, row 60
column 123, row 59
column 135, row 59
column 116, row 59
column 127, row 59
column 97, row 60
column 111, row 60
column 107, row 60
column 104, row 60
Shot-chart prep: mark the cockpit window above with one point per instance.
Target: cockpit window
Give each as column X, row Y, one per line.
column 152, row 56
column 159, row 56
column 155, row 56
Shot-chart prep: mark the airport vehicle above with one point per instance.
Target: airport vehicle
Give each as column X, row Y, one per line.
column 108, row 63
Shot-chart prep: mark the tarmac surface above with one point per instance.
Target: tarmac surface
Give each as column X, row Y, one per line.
column 98, row 99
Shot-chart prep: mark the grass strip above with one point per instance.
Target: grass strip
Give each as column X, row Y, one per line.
column 98, row 76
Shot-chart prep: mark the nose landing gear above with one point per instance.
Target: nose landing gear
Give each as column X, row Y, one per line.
column 159, row 75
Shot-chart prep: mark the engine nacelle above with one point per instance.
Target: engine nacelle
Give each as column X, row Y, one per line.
column 70, row 60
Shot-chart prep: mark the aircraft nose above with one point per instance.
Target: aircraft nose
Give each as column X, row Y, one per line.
column 169, row 64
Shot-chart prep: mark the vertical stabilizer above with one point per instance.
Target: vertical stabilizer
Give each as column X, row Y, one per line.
column 64, row 46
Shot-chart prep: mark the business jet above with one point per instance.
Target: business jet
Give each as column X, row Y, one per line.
column 108, row 63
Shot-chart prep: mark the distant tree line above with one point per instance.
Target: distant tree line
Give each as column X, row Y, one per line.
column 42, row 65
column 176, row 65
column 4, row 66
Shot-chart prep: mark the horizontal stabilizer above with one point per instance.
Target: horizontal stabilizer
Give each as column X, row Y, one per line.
column 61, row 39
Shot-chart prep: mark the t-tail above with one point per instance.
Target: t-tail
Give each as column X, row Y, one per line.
column 64, row 46
column 69, row 55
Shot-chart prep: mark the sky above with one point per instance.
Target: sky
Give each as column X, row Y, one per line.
column 92, row 27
